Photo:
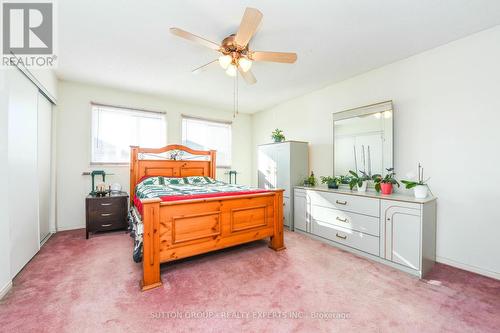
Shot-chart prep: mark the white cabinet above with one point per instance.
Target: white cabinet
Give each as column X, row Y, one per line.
column 402, row 233
column 283, row 165
column 300, row 220
column 396, row 230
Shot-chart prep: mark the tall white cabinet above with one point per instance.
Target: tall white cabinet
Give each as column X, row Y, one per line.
column 283, row 165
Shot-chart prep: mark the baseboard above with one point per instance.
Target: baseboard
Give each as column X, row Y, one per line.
column 71, row 227
column 46, row 238
column 470, row 268
column 5, row 289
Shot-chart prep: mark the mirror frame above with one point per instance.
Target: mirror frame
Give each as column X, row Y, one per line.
column 361, row 111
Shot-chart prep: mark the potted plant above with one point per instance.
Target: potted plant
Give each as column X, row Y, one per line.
column 385, row 184
column 311, row 180
column 420, row 188
column 361, row 181
column 277, row 135
column 331, row 182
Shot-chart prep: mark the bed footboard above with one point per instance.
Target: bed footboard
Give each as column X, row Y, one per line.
column 180, row 229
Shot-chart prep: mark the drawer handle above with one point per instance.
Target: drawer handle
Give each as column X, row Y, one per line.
column 106, row 204
column 106, row 214
column 341, row 220
column 341, row 202
column 106, row 225
column 341, row 237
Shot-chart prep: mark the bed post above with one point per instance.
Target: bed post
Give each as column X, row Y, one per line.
column 213, row 166
column 151, row 244
column 277, row 242
column 133, row 171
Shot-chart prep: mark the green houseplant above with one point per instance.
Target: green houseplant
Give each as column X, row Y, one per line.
column 420, row 187
column 331, row 182
column 385, row 184
column 311, row 180
column 277, row 135
column 360, row 180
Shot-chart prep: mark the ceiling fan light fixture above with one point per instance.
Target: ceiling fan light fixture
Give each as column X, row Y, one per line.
column 245, row 64
column 231, row 70
column 225, row 60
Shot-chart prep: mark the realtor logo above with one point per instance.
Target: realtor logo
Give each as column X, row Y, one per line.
column 27, row 28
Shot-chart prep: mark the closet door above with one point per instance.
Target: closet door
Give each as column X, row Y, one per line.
column 44, row 158
column 23, row 175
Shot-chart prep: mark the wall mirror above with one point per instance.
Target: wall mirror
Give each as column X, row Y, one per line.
column 363, row 139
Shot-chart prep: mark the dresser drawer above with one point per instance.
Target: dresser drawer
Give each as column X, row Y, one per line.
column 350, row 203
column 106, row 225
column 105, row 215
column 344, row 236
column 366, row 224
column 105, row 204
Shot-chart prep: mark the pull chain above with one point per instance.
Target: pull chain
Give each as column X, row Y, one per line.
column 235, row 96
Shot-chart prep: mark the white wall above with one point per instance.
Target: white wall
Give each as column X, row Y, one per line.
column 447, row 116
column 73, row 142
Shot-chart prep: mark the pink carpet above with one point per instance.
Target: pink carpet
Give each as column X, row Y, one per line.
column 75, row 285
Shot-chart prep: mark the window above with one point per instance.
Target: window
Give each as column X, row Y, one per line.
column 115, row 129
column 203, row 134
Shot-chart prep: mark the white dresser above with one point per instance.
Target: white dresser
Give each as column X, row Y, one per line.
column 396, row 229
column 283, row 165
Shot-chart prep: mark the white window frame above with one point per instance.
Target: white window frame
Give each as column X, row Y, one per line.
column 121, row 109
column 228, row 124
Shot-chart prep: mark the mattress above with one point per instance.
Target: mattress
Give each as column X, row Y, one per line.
column 174, row 189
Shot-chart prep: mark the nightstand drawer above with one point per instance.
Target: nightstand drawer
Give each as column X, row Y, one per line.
column 105, row 204
column 106, row 225
column 105, row 215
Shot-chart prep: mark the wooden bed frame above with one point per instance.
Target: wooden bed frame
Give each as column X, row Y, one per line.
column 184, row 228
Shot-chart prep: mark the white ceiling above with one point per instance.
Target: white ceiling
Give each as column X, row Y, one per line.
column 126, row 44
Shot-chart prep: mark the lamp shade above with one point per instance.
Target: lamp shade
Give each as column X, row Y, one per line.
column 225, row 60
column 245, row 64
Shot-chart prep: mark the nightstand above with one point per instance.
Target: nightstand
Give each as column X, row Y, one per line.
column 106, row 213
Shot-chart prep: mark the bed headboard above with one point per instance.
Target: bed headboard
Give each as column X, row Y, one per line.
column 169, row 161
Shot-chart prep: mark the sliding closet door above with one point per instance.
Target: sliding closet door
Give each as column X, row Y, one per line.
column 44, row 158
column 23, row 175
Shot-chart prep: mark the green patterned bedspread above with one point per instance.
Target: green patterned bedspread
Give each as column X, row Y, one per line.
column 155, row 187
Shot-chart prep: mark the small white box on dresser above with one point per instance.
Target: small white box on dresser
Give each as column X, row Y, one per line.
column 396, row 230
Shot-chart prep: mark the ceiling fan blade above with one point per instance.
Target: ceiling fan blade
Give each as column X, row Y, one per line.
column 248, row 76
column 202, row 68
column 197, row 39
column 285, row 57
column 248, row 26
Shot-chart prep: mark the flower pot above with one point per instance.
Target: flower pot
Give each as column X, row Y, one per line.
column 420, row 191
column 333, row 186
column 386, row 188
column 362, row 188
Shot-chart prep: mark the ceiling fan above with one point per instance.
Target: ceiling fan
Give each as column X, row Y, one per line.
column 235, row 53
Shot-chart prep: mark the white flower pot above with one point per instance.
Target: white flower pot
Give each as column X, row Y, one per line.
column 363, row 186
column 420, row 191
